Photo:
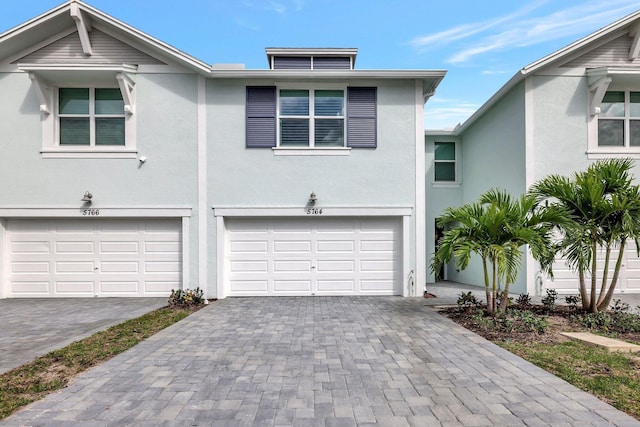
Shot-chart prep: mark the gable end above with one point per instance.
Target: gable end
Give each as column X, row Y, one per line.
column 106, row 49
column 616, row 52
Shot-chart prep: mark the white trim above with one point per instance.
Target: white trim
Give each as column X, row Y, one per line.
column 184, row 241
column 406, row 259
column 311, row 151
column 529, row 171
column 327, row 211
column 4, row 276
column 446, row 184
column 43, row 93
column 53, row 153
column 221, row 263
column 610, row 154
column 420, row 216
column 106, row 212
column 203, row 212
column 634, row 51
column 83, row 26
column 598, row 89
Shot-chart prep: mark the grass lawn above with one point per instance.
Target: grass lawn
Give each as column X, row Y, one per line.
column 51, row 372
column 612, row 377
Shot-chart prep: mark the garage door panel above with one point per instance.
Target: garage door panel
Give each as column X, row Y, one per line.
column 29, row 287
column 287, row 246
column 308, row 256
column 74, row 267
column 333, row 246
column 258, row 286
column 291, row 266
column 74, row 287
column 62, row 247
column 119, row 287
column 377, row 286
column 336, row 286
column 92, row 257
column 288, row 286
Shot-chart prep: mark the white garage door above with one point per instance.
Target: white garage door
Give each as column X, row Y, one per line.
column 93, row 257
column 313, row 256
column 566, row 281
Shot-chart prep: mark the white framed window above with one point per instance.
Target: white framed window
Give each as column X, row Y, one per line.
column 619, row 119
column 444, row 164
column 313, row 118
column 90, row 117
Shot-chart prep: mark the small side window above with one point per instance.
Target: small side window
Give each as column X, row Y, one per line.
column 445, row 162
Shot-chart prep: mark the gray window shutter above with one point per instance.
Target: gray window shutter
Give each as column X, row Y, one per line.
column 331, row 63
column 291, row 62
column 361, row 117
column 261, row 116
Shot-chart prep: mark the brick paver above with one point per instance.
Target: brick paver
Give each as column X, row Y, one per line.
column 318, row 361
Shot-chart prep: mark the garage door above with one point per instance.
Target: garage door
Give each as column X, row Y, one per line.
column 566, row 281
column 317, row 256
column 93, row 257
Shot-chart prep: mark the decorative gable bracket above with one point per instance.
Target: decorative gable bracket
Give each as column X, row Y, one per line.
column 83, row 26
column 598, row 89
column 126, row 84
column 634, row 32
column 42, row 91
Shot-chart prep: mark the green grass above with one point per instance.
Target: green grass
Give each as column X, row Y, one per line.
column 51, row 372
column 613, row 377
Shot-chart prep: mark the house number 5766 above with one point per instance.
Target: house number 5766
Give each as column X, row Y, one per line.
column 91, row 212
column 314, row 211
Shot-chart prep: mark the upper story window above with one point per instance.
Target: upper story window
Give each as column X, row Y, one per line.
column 619, row 119
column 91, row 117
column 304, row 121
column 311, row 118
column 445, row 162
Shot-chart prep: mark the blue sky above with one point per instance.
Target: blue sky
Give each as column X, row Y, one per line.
column 481, row 43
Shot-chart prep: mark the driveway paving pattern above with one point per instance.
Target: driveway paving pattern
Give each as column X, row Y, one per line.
column 318, row 361
column 33, row 327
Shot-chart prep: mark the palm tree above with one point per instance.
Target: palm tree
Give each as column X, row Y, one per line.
column 602, row 209
column 496, row 228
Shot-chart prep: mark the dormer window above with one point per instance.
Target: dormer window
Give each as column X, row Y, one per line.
column 311, row 59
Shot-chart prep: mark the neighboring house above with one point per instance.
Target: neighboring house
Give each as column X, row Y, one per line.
column 130, row 168
column 555, row 116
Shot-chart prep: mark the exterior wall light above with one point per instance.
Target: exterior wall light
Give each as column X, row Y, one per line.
column 313, row 198
column 87, row 197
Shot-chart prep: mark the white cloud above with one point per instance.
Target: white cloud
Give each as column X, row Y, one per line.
column 445, row 114
column 520, row 29
column 276, row 7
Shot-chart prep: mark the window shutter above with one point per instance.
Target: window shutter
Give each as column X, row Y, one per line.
column 361, row 117
column 331, row 63
column 291, row 62
column 261, row 116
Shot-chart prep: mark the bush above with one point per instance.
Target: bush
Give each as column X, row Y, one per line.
column 468, row 302
column 524, row 300
column 549, row 300
column 573, row 301
column 186, row 297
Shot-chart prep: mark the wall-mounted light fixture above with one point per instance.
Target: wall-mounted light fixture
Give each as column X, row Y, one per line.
column 313, row 198
column 142, row 159
column 87, row 197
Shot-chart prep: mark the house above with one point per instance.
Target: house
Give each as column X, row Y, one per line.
column 131, row 168
column 554, row 116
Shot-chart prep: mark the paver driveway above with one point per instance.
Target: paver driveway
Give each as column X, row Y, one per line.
column 318, row 361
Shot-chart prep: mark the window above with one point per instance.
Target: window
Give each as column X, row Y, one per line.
column 619, row 119
column 303, row 121
column 311, row 118
column 445, row 162
column 91, row 117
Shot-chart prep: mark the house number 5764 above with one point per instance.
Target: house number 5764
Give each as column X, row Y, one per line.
column 314, row 211
column 91, row 212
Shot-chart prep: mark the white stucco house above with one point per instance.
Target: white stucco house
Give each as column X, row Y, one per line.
column 554, row 116
column 131, row 168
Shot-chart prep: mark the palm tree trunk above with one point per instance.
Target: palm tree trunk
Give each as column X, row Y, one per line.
column 604, row 304
column 495, row 286
column 505, row 297
column 583, row 291
column 594, row 265
column 605, row 274
column 486, row 283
